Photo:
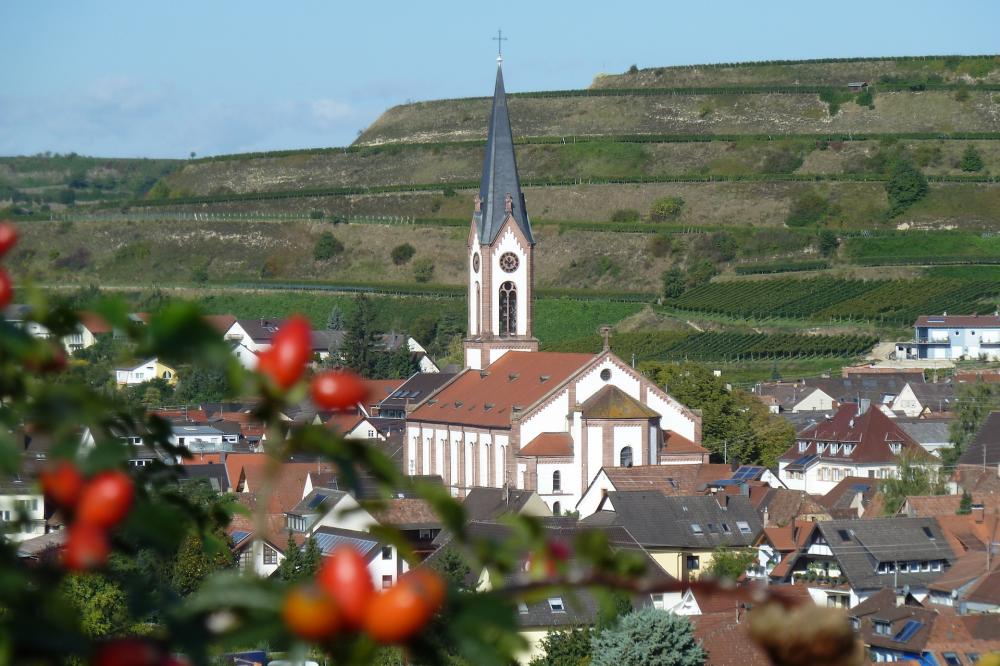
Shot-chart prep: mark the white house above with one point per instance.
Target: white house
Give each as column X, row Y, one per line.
column 21, row 499
column 145, row 371
column 953, row 337
column 854, row 441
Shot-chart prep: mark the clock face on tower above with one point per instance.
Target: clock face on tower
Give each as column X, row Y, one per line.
column 475, row 262
column 509, row 262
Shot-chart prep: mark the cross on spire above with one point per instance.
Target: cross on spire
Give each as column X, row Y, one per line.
column 499, row 39
column 605, row 332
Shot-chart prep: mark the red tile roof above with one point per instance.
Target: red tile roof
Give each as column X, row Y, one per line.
column 94, row 323
column 380, row 389
column 221, row 322
column 726, row 640
column 549, row 444
column 488, row 397
column 670, row 480
column 343, row 422
column 236, row 461
column 289, row 485
column 870, row 434
column 674, row 443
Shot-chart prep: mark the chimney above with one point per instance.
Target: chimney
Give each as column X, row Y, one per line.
column 765, row 517
column 978, row 512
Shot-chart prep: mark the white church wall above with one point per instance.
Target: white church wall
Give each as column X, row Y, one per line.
column 552, row 418
column 569, row 485
column 588, row 503
column 507, row 242
column 412, row 442
column 591, row 383
column 595, row 453
column 628, row 436
column 671, row 418
column 499, row 452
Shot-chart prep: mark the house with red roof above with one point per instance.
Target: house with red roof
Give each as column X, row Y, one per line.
column 856, row 440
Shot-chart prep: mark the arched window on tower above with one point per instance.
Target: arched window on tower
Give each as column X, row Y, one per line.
column 556, row 482
column 556, row 509
column 625, row 457
column 508, row 309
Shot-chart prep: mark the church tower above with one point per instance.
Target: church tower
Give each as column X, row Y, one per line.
column 501, row 251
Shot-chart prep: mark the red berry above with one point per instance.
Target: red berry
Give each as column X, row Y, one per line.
column 399, row 613
column 106, row 499
column 6, row 289
column 338, row 389
column 8, row 237
column 290, row 350
column 311, row 613
column 344, row 576
column 62, row 483
column 127, row 652
column 558, row 549
column 86, row 548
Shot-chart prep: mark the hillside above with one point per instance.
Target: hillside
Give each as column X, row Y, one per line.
column 760, row 161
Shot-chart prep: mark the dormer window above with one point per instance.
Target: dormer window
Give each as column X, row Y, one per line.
column 820, row 447
column 895, row 447
column 556, row 605
column 803, row 446
column 834, row 448
column 882, row 628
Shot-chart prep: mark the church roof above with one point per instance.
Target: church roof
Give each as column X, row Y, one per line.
column 512, row 383
column 613, row 403
column 549, row 444
column 500, row 174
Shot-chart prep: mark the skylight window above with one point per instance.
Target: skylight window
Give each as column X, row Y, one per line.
column 845, row 535
column 743, row 526
column 927, row 531
column 696, row 528
column 906, row 633
column 556, row 605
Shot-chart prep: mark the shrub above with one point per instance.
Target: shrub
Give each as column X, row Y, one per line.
column 77, row 260
column 660, row 245
column 781, row 161
column 724, row 245
column 648, row 636
column 962, row 94
column 625, row 215
column 674, row 282
column 634, row 69
column 666, row 208
column 315, row 215
column 423, row 270
column 326, row 247
column 828, row 243
column 927, row 155
column 865, row 98
column 971, row 159
column 701, row 273
column 402, row 254
column 906, row 186
column 449, row 192
column 336, row 219
column 807, row 207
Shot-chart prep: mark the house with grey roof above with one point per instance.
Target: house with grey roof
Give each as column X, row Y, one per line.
column 844, row 562
column 680, row 532
column 414, row 390
column 931, row 434
column 953, row 337
column 924, row 398
column 984, row 449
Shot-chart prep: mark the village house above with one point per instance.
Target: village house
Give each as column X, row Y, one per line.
column 953, row 337
column 826, row 394
column 515, row 416
column 22, row 509
column 924, row 399
column 145, row 371
column 857, row 440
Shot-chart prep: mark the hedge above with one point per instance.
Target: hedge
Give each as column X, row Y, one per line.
column 781, row 267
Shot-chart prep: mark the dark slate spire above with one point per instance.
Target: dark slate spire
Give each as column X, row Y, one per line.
column 500, row 174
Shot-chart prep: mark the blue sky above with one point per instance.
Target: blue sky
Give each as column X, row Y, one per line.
column 128, row 79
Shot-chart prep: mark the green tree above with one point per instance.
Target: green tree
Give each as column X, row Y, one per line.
column 965, row 504
column 730, row 563
column 195, row 561
column 423, row 270
column 290, row 568
column 971, row 159
column 828, row 243
column 912, row 478
column 360, row 337
column 452, row 565
column 700, row 273
column 402, row 254
column 566, row 647
column 397, row 364
column 674, row 282
column 202, row 382
column 648, row 637
column 326, row 247
column 725, row 246
column 99, row 603
column 660, row 245
column 665, row 209
column 312, row 557
column 973, row 403
column 335, row 320
column 906, row 186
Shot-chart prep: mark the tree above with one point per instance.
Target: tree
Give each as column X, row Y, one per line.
column 312, row 557
column 730, row 563
column 906, row 186
column 973, row 403
column 912, row 478
column 360, row 337
column 402, row 254
column 195, row 561
column 423, row 270
column 452, row 565
column 397, row 364
column 290, row 567
column 674, row 282
column 700, row 273
column 725, row 246
column 567, row 647
column 327, row 246
column 201, row 382
column 335, row 320
column 666, row 208
column 965, row 504
column 828, row 243
column 648, row 637
column 971, row 159
column 98, row 602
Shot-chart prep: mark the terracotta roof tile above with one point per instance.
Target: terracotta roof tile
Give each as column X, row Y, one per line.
column 489, row 397
column 289, row 486
column 678, row 444
column 549, row 444
column 668, row 479
column 869, row 433
column 726, row 640
column 613, row 403
column 236, row 461
column 220, row 322
column 380, row 389
column 407, row 513
column 94, row 323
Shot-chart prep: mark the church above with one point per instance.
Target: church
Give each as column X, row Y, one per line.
column 521, row 418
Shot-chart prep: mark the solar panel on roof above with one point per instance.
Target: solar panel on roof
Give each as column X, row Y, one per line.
column 747, row 472
column 328, row 542
column 239, row 535
column 860, row 487
column 802, row 461
column 316, row 501
column 906, row 633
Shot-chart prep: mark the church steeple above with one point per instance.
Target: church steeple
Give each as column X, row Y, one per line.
column 501, row 250
column 500, row 177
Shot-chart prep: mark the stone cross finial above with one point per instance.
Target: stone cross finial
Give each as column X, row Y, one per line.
column 478, row 202
column 508, row 203
column 605, row 332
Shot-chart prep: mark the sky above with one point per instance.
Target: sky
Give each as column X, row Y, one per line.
column 143, row 79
